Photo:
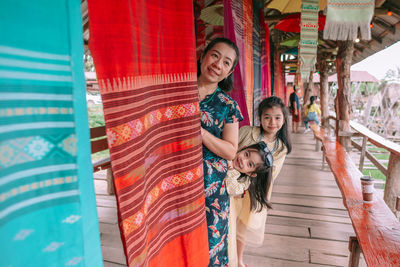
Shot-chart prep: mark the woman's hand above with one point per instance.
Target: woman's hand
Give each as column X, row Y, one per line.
column 225, row 147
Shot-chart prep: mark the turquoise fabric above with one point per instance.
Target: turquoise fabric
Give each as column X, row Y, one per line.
column 47, row 202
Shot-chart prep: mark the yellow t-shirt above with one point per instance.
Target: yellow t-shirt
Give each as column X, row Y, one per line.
column 313, row 108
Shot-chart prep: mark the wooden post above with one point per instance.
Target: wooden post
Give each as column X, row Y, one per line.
column 309, row 89
column 362, row 156
column 110, row 182
column 324, row 93
column 343, row 97
column 355, row 250
column 392, row 187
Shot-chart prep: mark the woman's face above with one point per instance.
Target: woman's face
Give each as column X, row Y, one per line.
column 216, row 65
column 247, row 161
column 272, row 120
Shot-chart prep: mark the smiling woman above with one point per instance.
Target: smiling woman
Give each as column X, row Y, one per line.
column 220, row 116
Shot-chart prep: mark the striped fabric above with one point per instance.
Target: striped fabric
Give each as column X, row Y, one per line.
column 348, row 19
column 256, row 60
column 248, row 53
column 308, row 37
column 233, row 29
column 265, row 58
column 47, row 203
column 147, row 76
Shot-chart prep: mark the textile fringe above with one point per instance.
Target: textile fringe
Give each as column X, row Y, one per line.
column 339, row 30
column 119, row 84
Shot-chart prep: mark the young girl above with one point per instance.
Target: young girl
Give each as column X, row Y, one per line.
column 250, row 224
column 311, row 112
column 251, row 170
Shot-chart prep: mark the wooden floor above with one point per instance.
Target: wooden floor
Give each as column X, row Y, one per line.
column 308, row 226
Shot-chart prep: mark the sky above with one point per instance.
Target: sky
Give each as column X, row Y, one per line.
column 379, row 63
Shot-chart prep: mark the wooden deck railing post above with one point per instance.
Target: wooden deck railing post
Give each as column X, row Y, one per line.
column 362, row 156
column 355, row 250
column 392, row 188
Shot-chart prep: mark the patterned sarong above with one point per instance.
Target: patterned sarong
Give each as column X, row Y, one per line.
column 308, row 37
column 346, row 17
column 47, row 202
column 145, row 62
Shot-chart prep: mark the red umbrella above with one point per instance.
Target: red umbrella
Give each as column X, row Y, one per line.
column 291, row 23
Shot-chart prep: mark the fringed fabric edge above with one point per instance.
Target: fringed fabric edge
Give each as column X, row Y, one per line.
column 339, row 30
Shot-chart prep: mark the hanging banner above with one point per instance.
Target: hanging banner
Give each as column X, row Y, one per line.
column 145, row 59
column 308, row 37
column 346, row 18
column 47, row 202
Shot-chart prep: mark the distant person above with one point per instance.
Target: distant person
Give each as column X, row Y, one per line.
column 312, row 112
column 295, row 109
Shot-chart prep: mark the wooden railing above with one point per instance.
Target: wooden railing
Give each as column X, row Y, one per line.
column 392, row 172
column 99, row 143
column 376, row 227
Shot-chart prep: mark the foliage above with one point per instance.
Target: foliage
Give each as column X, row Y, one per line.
column 96, row 116
column 393, row 75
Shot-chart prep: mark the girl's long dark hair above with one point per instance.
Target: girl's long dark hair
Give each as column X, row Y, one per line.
column 283, row 133
column 260, row 184
column 226, row 84
column 312, row 99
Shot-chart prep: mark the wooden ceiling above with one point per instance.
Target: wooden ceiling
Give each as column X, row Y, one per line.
column 385, row 31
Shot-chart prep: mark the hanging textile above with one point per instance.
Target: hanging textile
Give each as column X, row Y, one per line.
column 248, row 52
column 145, row 62
column 308, row 37
column 279, row 87
column 257, row 97
column 346, row 17
column 233, row 29
column 200, row 29
column 47, row 202
column 265, row 58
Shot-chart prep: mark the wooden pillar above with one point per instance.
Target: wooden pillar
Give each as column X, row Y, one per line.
column 309, row 89
column 343, row 97
column 324, row 92
column 392, row 187
column 355, row 251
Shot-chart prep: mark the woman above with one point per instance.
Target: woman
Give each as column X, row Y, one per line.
column 312, row 112
column 220, row 116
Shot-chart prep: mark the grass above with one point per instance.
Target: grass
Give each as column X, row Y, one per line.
column 96, row 119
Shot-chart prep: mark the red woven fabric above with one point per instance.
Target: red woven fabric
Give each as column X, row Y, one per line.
column 144, row 54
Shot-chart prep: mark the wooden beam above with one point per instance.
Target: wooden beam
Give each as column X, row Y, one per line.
column 383, row 24
column 376, row 38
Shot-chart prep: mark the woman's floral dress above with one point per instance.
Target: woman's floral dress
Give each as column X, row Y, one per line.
column 216, row 110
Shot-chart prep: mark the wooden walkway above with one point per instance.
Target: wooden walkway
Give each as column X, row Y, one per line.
column 308, row 226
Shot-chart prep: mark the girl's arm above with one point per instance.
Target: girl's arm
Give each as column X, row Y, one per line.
column 227, row 146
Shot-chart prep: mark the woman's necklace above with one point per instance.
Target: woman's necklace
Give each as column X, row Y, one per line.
column 208, row 100
column 276, row 142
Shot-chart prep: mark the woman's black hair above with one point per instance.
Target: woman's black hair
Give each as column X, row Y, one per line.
column 226, row 84
column 312, row 99
column 283, row 133
column 260, row 184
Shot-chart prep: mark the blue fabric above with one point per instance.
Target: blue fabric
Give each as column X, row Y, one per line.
column 311, row 116
column 47, row 204
column 216, row 110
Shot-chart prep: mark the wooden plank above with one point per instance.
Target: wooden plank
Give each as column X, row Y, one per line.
column 321, row 202
column 257, row 261
column 377, row 229
column 107, row 215
column 328, row 258
column 314, row 217
column 312, row 210
column 307, row 190
column 114, row 255
column 309, row 223
column 97, row 132
column 285, row 230
column 112, row 264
